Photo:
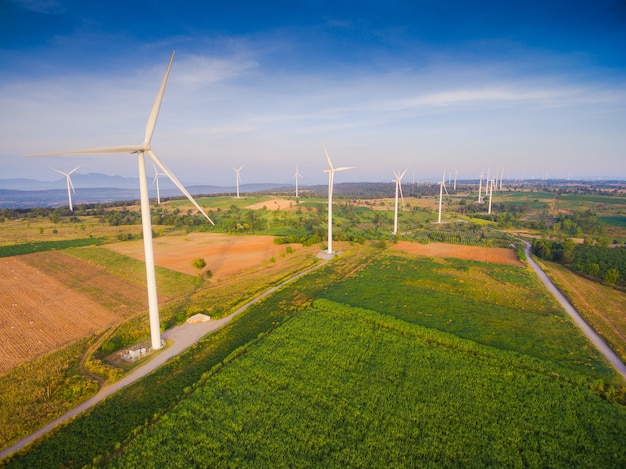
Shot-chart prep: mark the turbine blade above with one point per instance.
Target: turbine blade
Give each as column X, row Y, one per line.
column 403, row 173
column 60, row 172
column 74, row 169
column 401, row 196
column 154, row 113
column 328, row 158
column 94, row 151
column 173, row 178
column 71, row 184
column 344, row 168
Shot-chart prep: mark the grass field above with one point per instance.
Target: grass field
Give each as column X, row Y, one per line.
column 602, row 307
column 344, row 387
column 614, row 220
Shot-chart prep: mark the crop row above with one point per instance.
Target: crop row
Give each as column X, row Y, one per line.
column 338, row 386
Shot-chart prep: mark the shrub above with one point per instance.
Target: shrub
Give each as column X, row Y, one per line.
column 198, row 263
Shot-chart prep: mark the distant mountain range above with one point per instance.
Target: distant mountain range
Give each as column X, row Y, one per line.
column 99, row 188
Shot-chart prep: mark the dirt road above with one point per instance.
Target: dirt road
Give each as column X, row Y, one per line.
column 182, row 337
column 580, row 322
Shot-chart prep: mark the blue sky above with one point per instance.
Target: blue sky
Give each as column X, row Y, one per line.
column 538, row 88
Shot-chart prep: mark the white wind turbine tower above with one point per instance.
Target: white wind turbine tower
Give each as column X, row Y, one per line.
column 480, row 188
column 70, row 185
column 501, row 176
column 455, row 173
column 331, row 179
column 442, row 187
column 398, row 181
column 141, row 150
column 297, row 175
column 487, row 179
column 237, row 172
column 156, row 181
column 490, row 186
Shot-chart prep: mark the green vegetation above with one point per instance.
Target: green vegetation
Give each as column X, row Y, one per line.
column 170, row 283
column 489, row 304
column 41, row 390
column 20, row 249
column 399, row 361
column 601, row 306
column 599, row 263
column 339, row 387
column 198, row 263
column 614, row 220
column 102, row 429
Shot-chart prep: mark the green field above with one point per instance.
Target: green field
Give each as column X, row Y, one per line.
column 429, row 372
column 345, row 387
column 614, row 220
column 502, row 306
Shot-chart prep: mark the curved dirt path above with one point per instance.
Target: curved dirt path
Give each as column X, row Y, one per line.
column 604, row 349
column 182, row 337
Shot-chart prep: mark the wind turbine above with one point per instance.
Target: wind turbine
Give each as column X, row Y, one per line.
column 442, row 187
column 70, row 185
column 455, row 173
column 141, row 150
column 297, row 175
column 398, row 181
column 156, row 181
column 480, row 188
column 237, row 171
column 490, row 185
column 331, row 179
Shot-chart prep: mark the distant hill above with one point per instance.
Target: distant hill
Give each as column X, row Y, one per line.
column 99, row 188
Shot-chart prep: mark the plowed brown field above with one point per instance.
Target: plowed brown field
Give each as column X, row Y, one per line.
column 275, row 204
column 38, row 313
column 470, row 253
column 224, row 254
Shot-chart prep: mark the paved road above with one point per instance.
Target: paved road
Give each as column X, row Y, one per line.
column 182, row 337
column 580, row 322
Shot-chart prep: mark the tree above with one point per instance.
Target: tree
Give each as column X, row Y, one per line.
column 611, row 276
column 592, row 269
column 198, row 263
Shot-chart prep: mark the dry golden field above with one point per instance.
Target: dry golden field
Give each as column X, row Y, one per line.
column 602, row 307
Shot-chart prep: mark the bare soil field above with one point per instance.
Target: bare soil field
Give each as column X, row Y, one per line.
column 119, row 295
column 224, row 254
column 275, row 204
column 471, row 253
column 38, row 313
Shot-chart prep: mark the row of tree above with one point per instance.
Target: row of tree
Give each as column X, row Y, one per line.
column 596, row 262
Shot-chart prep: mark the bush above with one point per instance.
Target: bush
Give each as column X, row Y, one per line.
column 198, row 263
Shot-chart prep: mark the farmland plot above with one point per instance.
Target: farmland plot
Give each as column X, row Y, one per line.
column 38, row 313
column 224, row 255
column 346, row 387
column 471, row 253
